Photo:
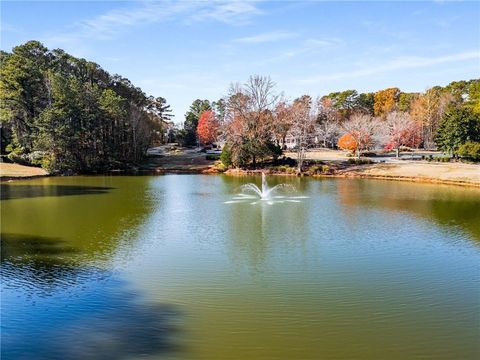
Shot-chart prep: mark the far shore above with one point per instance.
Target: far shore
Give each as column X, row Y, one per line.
column 438, row 173
column 190, row 162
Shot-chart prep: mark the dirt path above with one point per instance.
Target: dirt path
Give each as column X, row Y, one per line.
column 180, row 160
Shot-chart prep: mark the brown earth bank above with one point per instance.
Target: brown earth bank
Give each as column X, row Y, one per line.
column 15, row 171
column 446, row 173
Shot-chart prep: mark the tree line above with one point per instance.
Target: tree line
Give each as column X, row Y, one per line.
column 254, row 120
column 70, row 115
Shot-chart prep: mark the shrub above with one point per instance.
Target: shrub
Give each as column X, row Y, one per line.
column 276, row 150
column 318, row 169
column 291, row 170
column 359, row 161
column 212, row 157
column 439, row 158
column 226, row 156
column 470, row 150
column 315, row 169
column 219, row 166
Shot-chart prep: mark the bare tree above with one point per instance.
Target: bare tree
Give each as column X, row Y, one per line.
column 362, row 128
column 327, row 132
column 282, row 120
column 328, row 122
column 302, row 129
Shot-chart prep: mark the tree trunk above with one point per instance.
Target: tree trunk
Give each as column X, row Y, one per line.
column 397, row 152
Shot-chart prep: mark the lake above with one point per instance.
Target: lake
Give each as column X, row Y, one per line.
column 169, row 267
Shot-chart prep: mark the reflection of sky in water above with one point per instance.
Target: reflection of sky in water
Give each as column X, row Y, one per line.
column 84, row 314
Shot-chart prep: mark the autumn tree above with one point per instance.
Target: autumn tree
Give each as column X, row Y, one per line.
column 428, row 110
column 399, row 129
column 191, row 120
column 347, row 142
column 249, row 120
column 386, row 101
column 208, row 126
column 362, row 128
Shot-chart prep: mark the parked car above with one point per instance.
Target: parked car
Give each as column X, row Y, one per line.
column 214, row 152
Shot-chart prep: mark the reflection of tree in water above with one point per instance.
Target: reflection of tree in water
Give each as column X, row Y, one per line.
column 446, row 205
column 55, row 309
column 37, row 263
column 8, row 192
column 92, row 215
column 97, row 320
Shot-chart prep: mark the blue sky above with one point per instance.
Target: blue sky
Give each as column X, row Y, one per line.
column 183, row 50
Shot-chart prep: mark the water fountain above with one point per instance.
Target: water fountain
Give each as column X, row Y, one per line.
column 251, row 191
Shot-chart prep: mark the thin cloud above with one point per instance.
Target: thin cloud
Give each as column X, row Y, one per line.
column 232, row 12
column 308, row 46
column 266, row 37
column 401, row 63
column 111, row 24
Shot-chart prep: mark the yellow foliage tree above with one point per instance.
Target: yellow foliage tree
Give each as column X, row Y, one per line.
column 385, row 101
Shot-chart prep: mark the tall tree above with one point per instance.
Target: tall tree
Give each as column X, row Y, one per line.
column 386, row 101
column 191, row 120
column 405, row 100
column 159, row 107
column 458, row 126
column 302, row 127
column 428, row 109
column 249, row 119
column 328, row 122
column 69, row 114
column 208, row 126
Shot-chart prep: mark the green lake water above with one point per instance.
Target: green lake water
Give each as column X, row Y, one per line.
column 165, row 267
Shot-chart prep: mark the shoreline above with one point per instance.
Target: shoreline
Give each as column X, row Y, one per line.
column 376, row 171
column 347, row 175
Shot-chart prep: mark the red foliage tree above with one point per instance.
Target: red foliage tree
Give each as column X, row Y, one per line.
column 401, row 130
column 207, row 128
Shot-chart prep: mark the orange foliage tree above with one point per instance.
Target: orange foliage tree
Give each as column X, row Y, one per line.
column 207, row 128
column 385, row 101
column 347, row 142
